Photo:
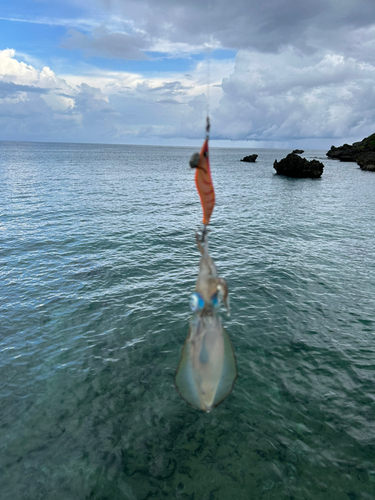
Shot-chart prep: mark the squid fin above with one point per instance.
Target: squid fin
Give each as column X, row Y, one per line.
column 220, row 386
column 229, row 372
column 184, row 380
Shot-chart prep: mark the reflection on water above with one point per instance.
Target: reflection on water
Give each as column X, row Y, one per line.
column 98, row 260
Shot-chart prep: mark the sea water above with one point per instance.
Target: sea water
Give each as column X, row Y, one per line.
column 98, row 260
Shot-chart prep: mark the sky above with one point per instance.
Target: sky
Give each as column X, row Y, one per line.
column 271, row 73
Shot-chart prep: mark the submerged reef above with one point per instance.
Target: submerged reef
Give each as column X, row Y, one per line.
column 295, row 166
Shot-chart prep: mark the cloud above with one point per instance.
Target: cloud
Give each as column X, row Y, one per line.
column 20, row 73
column 122, row 29
column 168, row 101
column 38, row 105
column 102, row 43
column 65, row 22
column 9, row 88
column 239, row 24
column 304, row 71
column 165, row 89
column 266, row 98
column 110, row 108
column 292, row 96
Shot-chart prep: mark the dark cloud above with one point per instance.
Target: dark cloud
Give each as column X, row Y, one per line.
column 239, row 24
column 32, row 120
column 168, row 101
column 10, row 89
column 102, row 43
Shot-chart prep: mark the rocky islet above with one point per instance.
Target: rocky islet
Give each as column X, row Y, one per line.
column 362, row 153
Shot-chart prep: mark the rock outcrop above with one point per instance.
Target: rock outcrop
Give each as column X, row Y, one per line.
column 366, row 161
column 298, row 151
column 363, row 153
column 295, row 166
column 343, row 153
column 250, row 158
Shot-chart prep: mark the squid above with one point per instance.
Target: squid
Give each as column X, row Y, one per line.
column 207, row 369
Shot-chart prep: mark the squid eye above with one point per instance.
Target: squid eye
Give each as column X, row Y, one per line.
column 215, row 301
column 196, row 302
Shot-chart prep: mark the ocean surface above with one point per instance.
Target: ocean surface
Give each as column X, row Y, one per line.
column 97, row 263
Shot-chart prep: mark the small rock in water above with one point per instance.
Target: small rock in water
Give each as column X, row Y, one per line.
column 295, row 166
column 250, row 158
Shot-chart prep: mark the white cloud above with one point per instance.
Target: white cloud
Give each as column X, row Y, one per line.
column 58, row 102
column 84, row 24
column 102, row 107
column 293, row 96
column 11, row 70
column 303, row 72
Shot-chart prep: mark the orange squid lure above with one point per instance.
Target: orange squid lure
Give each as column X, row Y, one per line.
column 203, row 181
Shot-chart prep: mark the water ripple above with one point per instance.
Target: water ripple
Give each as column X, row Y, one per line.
column 97, row 263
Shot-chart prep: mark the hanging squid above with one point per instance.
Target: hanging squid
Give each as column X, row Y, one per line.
column 207, row 369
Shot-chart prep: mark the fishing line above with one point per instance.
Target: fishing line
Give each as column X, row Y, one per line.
column 208, row 56
column 208, row 85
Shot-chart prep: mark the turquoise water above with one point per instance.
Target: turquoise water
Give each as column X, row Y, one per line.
column 98, row 260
